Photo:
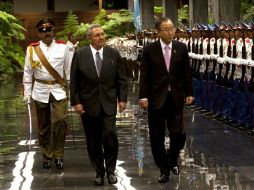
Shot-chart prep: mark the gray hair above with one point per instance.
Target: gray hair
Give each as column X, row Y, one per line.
column 92, row 26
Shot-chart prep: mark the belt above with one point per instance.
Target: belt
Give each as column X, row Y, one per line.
column 50, row 82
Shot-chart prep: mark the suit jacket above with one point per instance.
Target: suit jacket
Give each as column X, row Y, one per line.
column 95, row 92
column 155, row 78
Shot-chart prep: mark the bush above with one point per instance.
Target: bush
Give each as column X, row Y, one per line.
column 11, row 54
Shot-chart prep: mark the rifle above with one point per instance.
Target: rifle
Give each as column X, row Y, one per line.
column 251, row 81
column 244, row 56
column 215, row 51
column 196, row 52
column 208, row 51
column 225, row 78
column 193, row 60
column 188, row 46
column 231, row 78
column 197, row 72
column 219, row 76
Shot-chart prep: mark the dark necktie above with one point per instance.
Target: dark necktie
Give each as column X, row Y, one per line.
column 98, row 62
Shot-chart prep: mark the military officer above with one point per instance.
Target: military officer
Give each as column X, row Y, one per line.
column 48, row 90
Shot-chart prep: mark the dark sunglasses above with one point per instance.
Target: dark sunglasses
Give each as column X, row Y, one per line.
column 46, row 29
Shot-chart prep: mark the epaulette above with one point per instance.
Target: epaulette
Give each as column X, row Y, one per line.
column 35, row 44
column 60, row 42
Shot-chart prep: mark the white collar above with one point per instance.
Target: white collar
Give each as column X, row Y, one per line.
column 163, row 45
column 45, row 45
column 95, row 50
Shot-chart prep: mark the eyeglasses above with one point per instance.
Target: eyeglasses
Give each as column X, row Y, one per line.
column 46, row 29
column 168, row 30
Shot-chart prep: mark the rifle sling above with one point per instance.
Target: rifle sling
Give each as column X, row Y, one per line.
column 47, row 65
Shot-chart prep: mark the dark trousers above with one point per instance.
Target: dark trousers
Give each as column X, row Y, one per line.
column 52, row 130
column 102, row 142
column 170, row 117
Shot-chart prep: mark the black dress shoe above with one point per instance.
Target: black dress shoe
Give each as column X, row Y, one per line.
column 209, row 114
column 99, row 180
column 175, row 170
column 59, row 163
column 47, row 164
column 163, row 178
column 112, row 179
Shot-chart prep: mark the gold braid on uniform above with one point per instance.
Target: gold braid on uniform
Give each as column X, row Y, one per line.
column 33, row 63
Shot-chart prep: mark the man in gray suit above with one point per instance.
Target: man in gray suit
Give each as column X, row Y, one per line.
column 98, row 82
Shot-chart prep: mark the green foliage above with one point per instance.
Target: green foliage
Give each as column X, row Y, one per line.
column 247, row 10
column 117, row 23
column 11, row 54
column 245, row 4
column 101, row 18
column 71, row 25
column 158, row 10
column 80, row 34
column 114, row 24
column 6, row 7
column 183, row 14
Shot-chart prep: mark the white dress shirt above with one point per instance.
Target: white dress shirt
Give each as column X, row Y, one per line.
column 94, row 51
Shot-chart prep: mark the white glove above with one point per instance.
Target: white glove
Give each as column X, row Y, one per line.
column 27, row 99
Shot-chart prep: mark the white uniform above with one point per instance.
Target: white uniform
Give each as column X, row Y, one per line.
column 72, row 48
column 58, row 57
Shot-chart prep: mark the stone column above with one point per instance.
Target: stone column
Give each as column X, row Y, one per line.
column 170, row 10
column 228, row 11
column 51, row 5
column 198, row 11
column 131, row 5
column 147, row 13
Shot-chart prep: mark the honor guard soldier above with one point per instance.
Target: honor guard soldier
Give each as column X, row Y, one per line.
column 213, row 50
column 204, row 69
column 48, row 62
column 199, row 54
column 229, row 77
column 248, row 40
column 251, row 81
column 197, row 84
column 199, row 69
column 242, row 49
column 221, row 41
column 249, row 74
column 212, row 76
column 206, row 50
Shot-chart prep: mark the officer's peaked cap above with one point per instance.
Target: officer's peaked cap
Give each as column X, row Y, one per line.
column 216, row 26
column 45, row 21
column 246, row 26
column 210, row 28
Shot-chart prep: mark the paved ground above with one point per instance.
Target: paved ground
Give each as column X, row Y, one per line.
column 216, row 156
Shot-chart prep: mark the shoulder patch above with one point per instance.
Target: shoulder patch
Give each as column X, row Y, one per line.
column 35, row 44
column 60, row 42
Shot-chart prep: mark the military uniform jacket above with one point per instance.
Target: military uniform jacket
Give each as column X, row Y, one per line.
column 58, row 57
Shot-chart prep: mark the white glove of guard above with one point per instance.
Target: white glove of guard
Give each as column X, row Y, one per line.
column 27, row 99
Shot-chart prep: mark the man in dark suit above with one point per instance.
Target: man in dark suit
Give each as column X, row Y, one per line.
column 165, row 84
column 98, row 81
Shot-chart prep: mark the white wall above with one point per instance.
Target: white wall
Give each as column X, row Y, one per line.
column 30, row 6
